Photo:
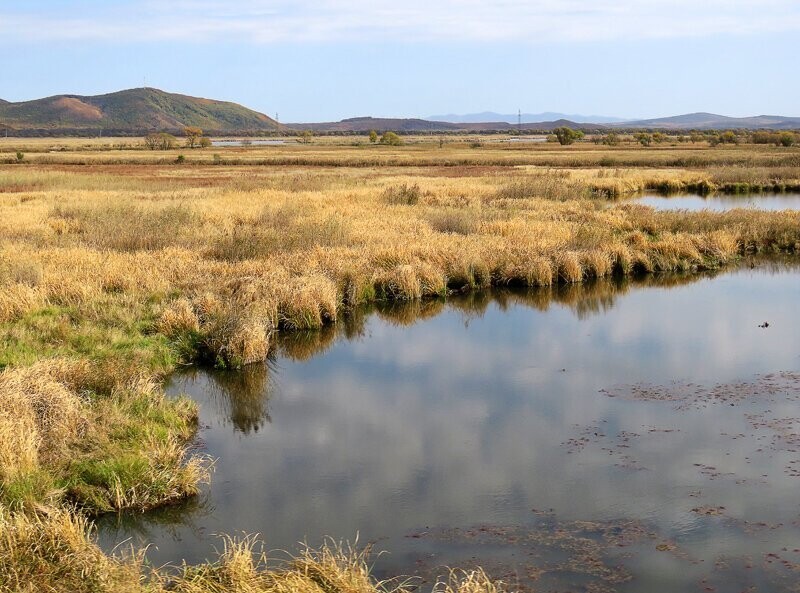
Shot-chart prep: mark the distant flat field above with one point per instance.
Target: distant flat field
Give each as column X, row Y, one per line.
column 494, row 150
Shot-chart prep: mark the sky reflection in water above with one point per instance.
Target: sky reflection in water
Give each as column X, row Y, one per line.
column 418, row 425
column 721, row 202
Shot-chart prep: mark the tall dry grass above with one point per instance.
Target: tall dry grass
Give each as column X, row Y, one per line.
column 216, row 270
column 56, row 553
column 39, row 414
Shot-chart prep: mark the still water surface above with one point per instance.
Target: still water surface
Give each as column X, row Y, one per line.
column 247, row 143
column 635, row 436
column 721, row 202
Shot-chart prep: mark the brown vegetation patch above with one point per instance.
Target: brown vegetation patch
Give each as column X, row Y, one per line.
column 582, row 555
column 75, row 108
column 693, row 395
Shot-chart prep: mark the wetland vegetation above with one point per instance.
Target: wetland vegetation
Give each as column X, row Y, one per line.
column 119, row 266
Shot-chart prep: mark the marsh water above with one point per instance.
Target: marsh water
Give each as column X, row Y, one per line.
column 721, row 202
column 247, row 142
column 616, row 436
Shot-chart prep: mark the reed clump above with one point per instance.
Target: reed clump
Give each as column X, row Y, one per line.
column 38, row 415
column 404, row 194
column 63, row 441
column 56, row 553
column 555, row 185
column 462, row 222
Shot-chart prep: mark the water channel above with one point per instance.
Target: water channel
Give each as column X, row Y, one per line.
column 721, row 202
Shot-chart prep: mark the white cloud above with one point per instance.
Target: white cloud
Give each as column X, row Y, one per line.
column 279, row 21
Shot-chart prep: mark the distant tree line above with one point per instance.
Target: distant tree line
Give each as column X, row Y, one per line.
column 712, row 137
column 160, row 141
column 777, row 138
column 166, row 141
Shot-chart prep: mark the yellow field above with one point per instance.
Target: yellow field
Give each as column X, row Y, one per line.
column 338, row 151
column 117, row 265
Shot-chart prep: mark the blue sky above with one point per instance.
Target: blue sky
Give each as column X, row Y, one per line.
column 326, row 60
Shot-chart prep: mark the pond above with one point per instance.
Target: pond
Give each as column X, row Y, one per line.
column 533, row 139
column 720, row 202
column 614, row 436
column 247, row 142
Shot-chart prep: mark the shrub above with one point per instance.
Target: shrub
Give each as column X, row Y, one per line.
column 205, row 142
column 566, row 135
column 391, row 139
column 20, row 156
column 776, row 138
column 402, row 194
column 181, row 159
column 193, row 135
column 764, row 137
column 160, row 141
column 787, row 139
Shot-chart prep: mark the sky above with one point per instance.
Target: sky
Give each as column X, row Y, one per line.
column 325, row 60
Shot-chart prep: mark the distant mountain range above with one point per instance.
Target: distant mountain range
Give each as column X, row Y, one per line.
column 381, row 124
column 691, row 121
column 699, row 121
column 138, row 111
column 711, row 121
column 527, row 118
column 131, row 111
column 357, row 125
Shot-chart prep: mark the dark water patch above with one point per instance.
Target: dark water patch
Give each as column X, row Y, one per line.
column 435, row 428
